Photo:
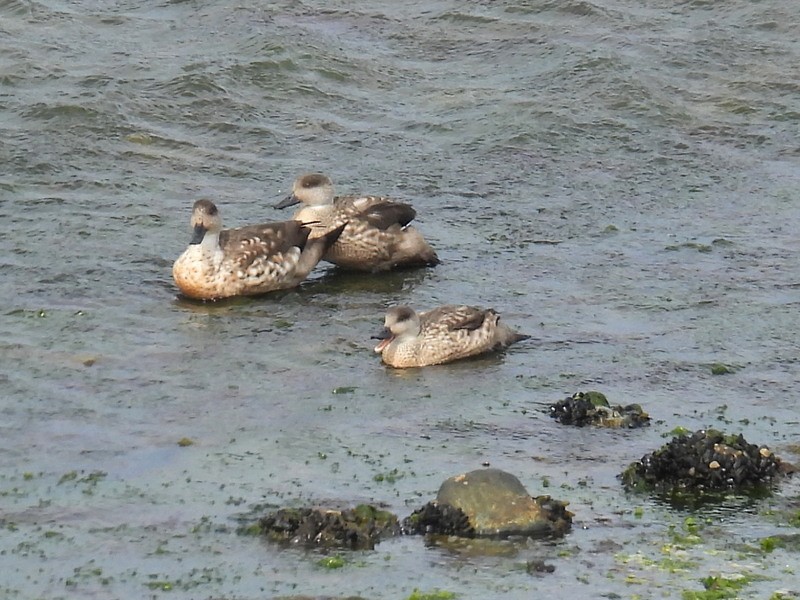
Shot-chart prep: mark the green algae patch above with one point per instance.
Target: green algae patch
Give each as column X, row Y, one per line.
column 366, row 512
column 193, row 579
column 769, row 544
column 69, row 476
column 596, row 398
column 794, row 520
column 344, row 389
column 687, row 535
column 677, row 431
column 388, row 477
column 183, row 442
column 162, row 586
column 789, row 542
column 253, row 529
column 718, row 587
column 433, row 595
column 331, row 562
column 721, row 369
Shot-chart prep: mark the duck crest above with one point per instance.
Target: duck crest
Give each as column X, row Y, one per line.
column 377, row 235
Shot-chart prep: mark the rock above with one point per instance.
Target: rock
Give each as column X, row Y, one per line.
column 494, row 503
column 359, row 528
column 442, row 520
column 705, row 461
column 592, row 408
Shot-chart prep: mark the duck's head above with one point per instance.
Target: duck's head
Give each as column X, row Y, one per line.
column 205, row 218
column 399, row 321
column 312, row 189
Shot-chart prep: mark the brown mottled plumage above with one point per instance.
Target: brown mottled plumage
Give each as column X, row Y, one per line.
column 377, row 234
column 245, row 261
column 441, row 335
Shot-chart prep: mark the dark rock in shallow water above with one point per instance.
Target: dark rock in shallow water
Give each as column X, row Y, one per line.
column 592, row 408
column 359, row 528
column 490, row 502
column 703, row 462
column 539, row 566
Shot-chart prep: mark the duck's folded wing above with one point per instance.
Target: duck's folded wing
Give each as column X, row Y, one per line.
column 379, row 212
column 454, row 318
column 247, row 245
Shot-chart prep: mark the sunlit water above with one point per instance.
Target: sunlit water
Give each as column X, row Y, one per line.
column 619, row 179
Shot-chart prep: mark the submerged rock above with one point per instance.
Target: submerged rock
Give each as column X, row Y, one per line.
column 489, row 502
column 359, row 528
column 592, row 408
column 705, row 461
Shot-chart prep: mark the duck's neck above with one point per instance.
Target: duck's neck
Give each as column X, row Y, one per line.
column 210, row 241
column 407, row 338
column 312, row 213
column 210, row 249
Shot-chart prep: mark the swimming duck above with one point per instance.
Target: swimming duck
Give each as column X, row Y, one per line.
column 441, row 335
column 377, row 235
column 251, row 260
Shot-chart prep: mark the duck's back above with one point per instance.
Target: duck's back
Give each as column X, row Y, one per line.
column 265, row 257
column 377, row 235
column 454, row 332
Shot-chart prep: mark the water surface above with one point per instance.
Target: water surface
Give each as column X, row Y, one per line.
column 619, row 179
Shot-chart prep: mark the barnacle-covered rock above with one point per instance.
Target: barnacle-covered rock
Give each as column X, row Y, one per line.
column 490, row 502
column 438, row 520
column 703, row 462
column 359, row 528
column 592, row 408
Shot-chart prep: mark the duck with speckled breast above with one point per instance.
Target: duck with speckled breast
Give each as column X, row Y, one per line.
column 246, row 261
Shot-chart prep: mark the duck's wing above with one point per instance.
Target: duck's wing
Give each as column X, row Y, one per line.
column 245, row 246
column 454, row 318
column 381, row 213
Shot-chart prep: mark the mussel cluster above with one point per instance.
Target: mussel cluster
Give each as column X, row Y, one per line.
column 592, row 408
column 435, row 518
column 359, row 528
column 705, row 461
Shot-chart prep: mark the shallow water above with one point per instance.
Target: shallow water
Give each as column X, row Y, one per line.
column 618, row 179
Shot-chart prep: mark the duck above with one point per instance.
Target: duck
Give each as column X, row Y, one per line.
column 441, row 335
column 377, row 235
column 246, row 261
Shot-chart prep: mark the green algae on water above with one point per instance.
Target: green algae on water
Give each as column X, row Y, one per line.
column 432, row 595
column 721, row 369
column 331, row 562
